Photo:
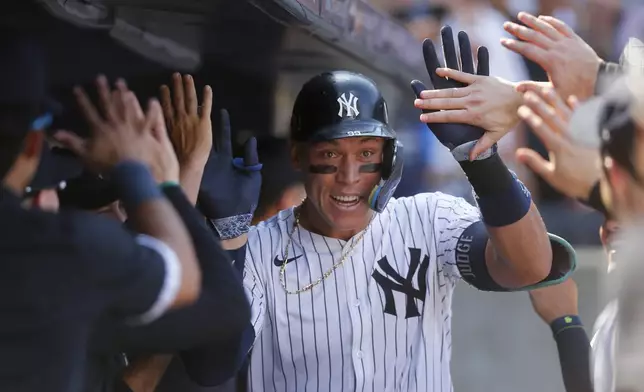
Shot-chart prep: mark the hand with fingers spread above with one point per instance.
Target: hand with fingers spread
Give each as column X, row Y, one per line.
column 190, row 130
column 230, row 187
column 122, row 133
column 487, row 102
column 572, row 170
column 464, row 140
column 571, row 63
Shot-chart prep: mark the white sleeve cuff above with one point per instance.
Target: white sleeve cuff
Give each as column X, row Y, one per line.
column 171, row 280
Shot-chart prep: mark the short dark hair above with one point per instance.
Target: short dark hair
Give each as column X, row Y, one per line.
column 15, row 121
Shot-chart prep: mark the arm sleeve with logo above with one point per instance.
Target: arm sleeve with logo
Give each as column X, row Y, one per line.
column 447, row 218
column 135, row 277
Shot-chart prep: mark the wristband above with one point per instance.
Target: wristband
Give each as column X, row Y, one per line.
column 169, row 184
column 566, row 322
column 462, row 153
column 501, row 196
column 233, row 226
column 134, row 184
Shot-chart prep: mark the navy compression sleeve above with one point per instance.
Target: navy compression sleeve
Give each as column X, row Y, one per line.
column 574, row 353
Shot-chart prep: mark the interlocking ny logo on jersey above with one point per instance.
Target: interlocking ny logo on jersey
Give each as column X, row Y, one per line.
column 395, row 282
column 348, row 106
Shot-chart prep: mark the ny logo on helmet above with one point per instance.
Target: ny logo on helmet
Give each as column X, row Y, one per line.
column 348, row 106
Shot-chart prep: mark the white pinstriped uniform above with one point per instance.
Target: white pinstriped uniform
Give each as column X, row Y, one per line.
column 337, row 337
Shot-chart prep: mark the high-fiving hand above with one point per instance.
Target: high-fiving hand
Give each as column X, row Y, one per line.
column 190, row 129
column 123, row 132
column 571, row 63
column 450, row 134
column 572, row 170
column 230, row 187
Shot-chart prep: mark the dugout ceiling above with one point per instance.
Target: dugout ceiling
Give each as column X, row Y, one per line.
column 247, row 49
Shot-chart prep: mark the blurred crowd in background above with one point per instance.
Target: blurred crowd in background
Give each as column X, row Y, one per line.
column 604, row 24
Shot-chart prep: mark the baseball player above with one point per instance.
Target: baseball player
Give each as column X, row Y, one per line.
column 352, row 289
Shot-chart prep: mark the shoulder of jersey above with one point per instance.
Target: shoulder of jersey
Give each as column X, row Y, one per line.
column 419, row 198
column 273, row 224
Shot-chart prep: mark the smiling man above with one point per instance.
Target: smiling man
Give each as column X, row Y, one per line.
column 352, row 289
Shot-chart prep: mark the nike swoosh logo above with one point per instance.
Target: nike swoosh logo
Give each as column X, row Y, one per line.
column 279, row 263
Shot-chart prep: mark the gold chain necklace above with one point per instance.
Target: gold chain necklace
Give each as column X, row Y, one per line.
column 328, row 273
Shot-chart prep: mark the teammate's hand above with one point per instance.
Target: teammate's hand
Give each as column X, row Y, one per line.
column 556, row 301
column 230, row 187
column 487, row 102
column 572, row 170
column 571, row 63
column 122, row 133
column 190, row 130
column 452, row 135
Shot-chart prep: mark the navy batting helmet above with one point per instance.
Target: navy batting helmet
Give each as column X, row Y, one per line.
column 341, row 104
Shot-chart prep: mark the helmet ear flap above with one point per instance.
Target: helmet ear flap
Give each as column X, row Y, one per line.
column 388, row 156
column 392, row 169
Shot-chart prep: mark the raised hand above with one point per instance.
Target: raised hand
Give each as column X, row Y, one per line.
column 190, row 129
column 453, row 135
column 122, row 133
column 230, row 187
column 487, row 102
column 571, row 169
column 571, row 63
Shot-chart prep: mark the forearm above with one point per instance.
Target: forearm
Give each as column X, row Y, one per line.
column 235, row 243
column 150, row 213
column 519, row 254
column 574, row 353
column 190, row 176
column 222, row 294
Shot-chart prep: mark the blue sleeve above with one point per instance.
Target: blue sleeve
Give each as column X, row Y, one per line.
column 221, row 312
column 129, row 274
column 215, row 363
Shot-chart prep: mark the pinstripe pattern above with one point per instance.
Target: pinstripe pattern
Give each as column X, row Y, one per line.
column 337, row 337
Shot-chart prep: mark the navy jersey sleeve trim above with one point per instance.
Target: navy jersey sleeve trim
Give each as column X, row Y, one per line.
column 470, row 260
column 171, row 281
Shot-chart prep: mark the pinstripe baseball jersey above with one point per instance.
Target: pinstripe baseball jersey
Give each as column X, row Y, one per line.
column 380, row 322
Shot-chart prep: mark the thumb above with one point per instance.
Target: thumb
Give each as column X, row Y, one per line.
column 529, row 85
column 155, row 122
column 484, row 143
column 250, row 152
column 535, row 162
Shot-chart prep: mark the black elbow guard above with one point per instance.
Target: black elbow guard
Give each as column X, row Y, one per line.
column 470, row 258
column 471, row 264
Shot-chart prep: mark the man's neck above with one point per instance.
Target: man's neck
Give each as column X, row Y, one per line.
column 308, row 215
